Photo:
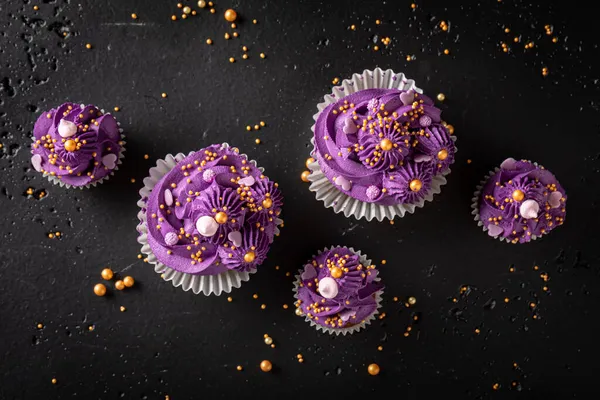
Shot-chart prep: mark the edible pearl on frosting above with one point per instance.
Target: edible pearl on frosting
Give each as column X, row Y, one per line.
column 518, row 195
column 221, row 217
column 328, row 288
column 386, row 145
column 249, row 256
column 336, row 272
column 207, row 226
column 267, row 203
column 208, row 175
column 442, row 154
column 70, row 145
column 66, row 128
column 171, row 239
column 415, row 185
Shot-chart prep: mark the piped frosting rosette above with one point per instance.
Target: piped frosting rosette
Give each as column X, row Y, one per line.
column 207, row 220
column 519, row 202
column 77, row 145
column 338, row 291
column 381, row 148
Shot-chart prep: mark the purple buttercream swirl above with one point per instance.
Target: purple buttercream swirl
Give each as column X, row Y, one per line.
column 363, row 138
column 220, row 223
column 521, row 200
column 77, row 144
column 339, row 272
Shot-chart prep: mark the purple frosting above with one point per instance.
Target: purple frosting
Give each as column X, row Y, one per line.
column 237, row 201
column 521, row 200
column 383, row 139
column 353, row 284
column 77, row 144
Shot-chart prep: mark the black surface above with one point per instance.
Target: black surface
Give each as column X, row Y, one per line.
column 174, row 343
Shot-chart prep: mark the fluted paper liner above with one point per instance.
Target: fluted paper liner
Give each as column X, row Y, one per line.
column 205, row 284
column 354, row 328
column 59, row 182
column 326, row 191
column 475, row 207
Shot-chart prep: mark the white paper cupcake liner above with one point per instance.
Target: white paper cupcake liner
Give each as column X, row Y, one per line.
column 59, row 182
column 355, row 328
column 199, row 284
column 475, row 207
column 327, row 192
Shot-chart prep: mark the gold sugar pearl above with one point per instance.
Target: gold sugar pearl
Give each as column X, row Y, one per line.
column 336, row 272
column 201, row 3
column 221, row 217
column 134, row 16
column 268, row 340
column 304, row 176
column 518, row 195
column 266, row 366
column 386, row 145
column 267, row 203
column 107, row 274
column 119, row 285
column 230, row 15
column 249, row 257
column 100, row 290
column 309, row 160
column 412, row 300
column 373, row 369
column 128, row 281
column 187, row 10
column 441, row 96
column 209, row 41
column 415, row 185
column 442, row 154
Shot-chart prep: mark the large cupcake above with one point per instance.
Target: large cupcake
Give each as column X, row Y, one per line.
column 76, row 145
column 380, row 147
column 208, row 219
column 338, row 291
column 519, row 202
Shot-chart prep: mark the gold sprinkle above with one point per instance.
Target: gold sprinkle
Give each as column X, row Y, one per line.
column 134, row 16
column 146, row 156
column 446, row 51
column 263, row 306
column 122, row 308
column 262, row 55
column 230, row 299
column 88, row 46
column 209, row 41
column 54, row 381
column 255, row 296
column 441, row 96
column 231, row 59
column 257, row 141
column 163, row 95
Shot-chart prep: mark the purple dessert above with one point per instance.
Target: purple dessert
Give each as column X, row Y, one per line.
column 335, row 290
column 75, row 144
column 383, row 146
column 521, row 201
column 214, row 212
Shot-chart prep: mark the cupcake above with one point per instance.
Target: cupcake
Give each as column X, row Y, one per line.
column 207, row 220
column 381, row 148
column 338, row 291
column 519, row 202
column 76, row 145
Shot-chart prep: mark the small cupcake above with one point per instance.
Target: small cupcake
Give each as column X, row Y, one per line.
column 380, row 147
column 77, row 145
column 338, row 291
column 208, row 219
column 519, row 202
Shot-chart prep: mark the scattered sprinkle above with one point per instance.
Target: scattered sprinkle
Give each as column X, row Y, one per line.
column 257, row 141
column 412, row 300
column 54, row 381
column 146, row 156
column 230, row 299
column 134, row 16
column 441, row 97
column 266, row 366
column 231, row 59
column 163, row 95
column 122, row 308
column 262, row 55
column 88, row 46
column 239, row 368
column 209, row 41
column 255, row 296
column 263, row 306
column 373, row 369
column 40, row 326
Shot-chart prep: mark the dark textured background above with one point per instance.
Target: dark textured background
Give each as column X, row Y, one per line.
column 174, row 343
